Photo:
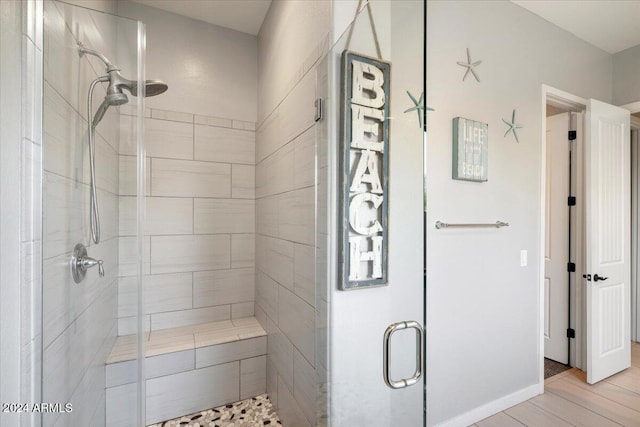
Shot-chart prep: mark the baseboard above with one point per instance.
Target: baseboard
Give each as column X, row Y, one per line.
column 493, row 407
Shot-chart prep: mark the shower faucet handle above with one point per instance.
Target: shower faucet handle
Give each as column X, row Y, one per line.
column 80, row 263
column 88, row 262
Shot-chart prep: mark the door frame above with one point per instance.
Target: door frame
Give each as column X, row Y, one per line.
column 566, row 100
column 560, row 98
column 634, row 107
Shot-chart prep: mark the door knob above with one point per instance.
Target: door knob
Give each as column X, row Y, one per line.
column 596, row 278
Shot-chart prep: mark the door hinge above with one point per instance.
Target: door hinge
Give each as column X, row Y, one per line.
column 571, row 333
column 319, row 112
column 571, row 200
column 572, row 135
column 571, row 267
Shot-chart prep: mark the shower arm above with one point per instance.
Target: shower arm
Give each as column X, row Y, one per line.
column 84, row 51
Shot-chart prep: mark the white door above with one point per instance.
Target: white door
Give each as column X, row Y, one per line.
column 556, row 277
column 608, row 233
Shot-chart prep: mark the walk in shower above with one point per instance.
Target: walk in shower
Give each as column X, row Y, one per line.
column 181, row 232
column 163, row 273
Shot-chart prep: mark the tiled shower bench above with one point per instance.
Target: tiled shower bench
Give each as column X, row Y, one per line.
column 188, row 369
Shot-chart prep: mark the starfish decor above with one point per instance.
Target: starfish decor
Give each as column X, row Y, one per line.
column 418, row 106
column 470, row 66
column 513, row 126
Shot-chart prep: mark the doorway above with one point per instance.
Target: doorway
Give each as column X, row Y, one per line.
column 559, row 260
column 563, row 316
column 586, row 157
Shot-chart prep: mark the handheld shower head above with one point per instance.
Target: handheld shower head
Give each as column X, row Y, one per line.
column 115, row 96
column 110, row 99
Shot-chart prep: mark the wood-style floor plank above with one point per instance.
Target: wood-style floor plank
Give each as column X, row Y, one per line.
column 596, row 403
column 629, row 379
column 531, row 415
column 569, row 400
column 559, row 376
column 635, row 354
column 571, row 412
column 499, row 420
column 635, row 359
column 605, row 389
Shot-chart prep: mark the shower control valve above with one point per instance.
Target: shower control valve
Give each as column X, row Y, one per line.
column 88, row 262
column 80, row 263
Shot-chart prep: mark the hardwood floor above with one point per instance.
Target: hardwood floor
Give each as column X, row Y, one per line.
column 569, row 401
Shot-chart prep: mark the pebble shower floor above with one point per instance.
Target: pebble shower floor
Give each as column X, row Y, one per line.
column 256, row 411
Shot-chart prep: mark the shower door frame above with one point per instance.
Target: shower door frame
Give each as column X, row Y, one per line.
column 28, row 360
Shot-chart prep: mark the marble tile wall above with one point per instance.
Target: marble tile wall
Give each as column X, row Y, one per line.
column 200, row 220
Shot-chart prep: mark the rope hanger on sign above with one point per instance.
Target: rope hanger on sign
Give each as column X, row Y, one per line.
column 373, row 26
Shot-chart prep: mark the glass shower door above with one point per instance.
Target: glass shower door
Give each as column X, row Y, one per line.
column 370, row 185
column 82, row 311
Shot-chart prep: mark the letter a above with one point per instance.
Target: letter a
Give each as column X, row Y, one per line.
column 368, row 162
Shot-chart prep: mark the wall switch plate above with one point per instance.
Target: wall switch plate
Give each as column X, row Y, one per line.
column 523, row 258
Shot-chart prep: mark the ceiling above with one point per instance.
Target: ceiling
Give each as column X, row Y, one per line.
column 240, row 15
column 610, row 25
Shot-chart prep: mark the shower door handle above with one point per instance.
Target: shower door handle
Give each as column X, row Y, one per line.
column 406, row 382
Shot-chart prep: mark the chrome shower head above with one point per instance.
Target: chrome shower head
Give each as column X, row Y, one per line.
column 118, row 98
column 110, row 99
column 151, row 88
column 115, row 94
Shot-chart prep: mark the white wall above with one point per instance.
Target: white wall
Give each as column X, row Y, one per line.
column 626, row 77
column 482, row 307
column 210, row 70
